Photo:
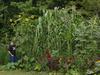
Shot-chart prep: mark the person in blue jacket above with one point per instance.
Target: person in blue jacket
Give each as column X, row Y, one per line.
column 12, row 52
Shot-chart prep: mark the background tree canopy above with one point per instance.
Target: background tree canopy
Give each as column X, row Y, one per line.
column 10, row 8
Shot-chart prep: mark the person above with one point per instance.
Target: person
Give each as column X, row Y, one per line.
column 12, row 52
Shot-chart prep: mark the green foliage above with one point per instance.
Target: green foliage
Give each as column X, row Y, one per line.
column 3, row 55
column 59, row 31
column 37, row 67
column 93, row 5
column 65, row 32
column 26, row 63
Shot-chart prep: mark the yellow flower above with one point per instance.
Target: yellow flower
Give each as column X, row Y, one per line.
column 26, row 19
column 19, row 15
column 10, row 20
column 32, row 16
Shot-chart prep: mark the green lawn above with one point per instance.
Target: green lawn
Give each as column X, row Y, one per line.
column 32, row 73
column 26, row 73
column 21, row 73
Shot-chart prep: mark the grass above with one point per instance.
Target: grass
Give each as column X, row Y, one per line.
column 21, row 73
column 26, row 73
column 16, row 72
